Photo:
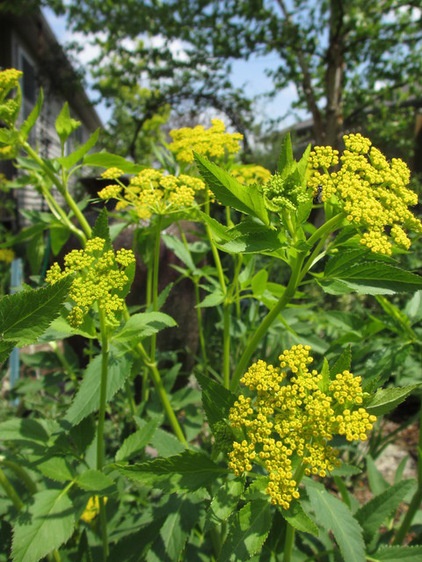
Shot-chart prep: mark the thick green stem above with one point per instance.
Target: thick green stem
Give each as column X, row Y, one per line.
column 101, row 421
column 289, row 542
column 10, row 491
column 21, row 473
column 417, row 498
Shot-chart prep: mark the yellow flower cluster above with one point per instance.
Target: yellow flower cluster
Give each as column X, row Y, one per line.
column 214, row 142
column 9, row 79
column 289, row 418
column 370, row 190
column 7, row 255
column 251, row 174
column 153, row 192
column 99, row 276
column 9, row 106
column 112, row 173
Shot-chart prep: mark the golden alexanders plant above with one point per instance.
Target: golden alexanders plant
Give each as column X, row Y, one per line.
column 245, row 468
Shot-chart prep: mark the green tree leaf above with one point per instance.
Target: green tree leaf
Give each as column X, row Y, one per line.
column 386, row 399
column 232, row 193
column 48, row 524
column 86, row 400
column 333, row 515
column 247, row 532
column 374, row 513
column 25, row 315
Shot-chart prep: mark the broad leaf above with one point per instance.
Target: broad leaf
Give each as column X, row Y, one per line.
column 247, row 532
column 398, row 553
column 101, row 228
column 225, row 501
column 374, row 513
column 30, row 121
column 87, row 398
column 299, row 520
column 108, row 160
column 65, row 125
column 23, row 430
column 56, row 468
column 286, row 154
column 136, row 442
column 74, row 157
column 48, row 524
column 230, row 192
column 333, row 515
column 25, row 315
column 143, row 325
column 386, row 399
column 343, row 363
column 95, row 481
column 188, row 471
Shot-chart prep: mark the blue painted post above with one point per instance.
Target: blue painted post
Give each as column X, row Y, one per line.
column 16, row 276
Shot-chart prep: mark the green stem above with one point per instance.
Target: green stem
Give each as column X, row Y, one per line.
column 10, row 491
column 289, row 542
column 226, row 343
column 417, row 498
column 268, row 320
column 200, row 324
column 101, row 422
column 155, row 279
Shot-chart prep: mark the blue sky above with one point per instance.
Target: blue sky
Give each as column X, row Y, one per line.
column 248, row 75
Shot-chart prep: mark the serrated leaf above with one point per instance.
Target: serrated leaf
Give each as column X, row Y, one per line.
column 86, row 400
column 216, row 399
column 371, row 277
column 250, row 237
column 136, row 442
column 101, row 227
column 187, row 471
column 398, row 553
column 56, row 468
column 230, row 192
column 6, row 348
column 386, row 399
column 286, row 154
column 247, row 532
column 225, row 501
column 48, row 524
column 333, row 515
column 299, row 520
column 343, row 363
column 25, row 315
column 166, row 444
column 374, row 513
column 143, row 325
column 94, row 481
column 213, row 299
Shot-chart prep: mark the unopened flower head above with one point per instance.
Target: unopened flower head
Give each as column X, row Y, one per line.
column 214, row 142
column 99, row 276
column 284, row 193
column 287, row 418
column 371, row 191
column 152, row 192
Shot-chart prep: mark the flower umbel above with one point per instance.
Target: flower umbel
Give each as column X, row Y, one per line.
column 214, row 142
column 369, row 189
column 289, row 417
column 99, row 277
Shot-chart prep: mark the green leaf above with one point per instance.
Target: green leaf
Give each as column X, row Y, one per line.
column 65, row 125
column 374, row 513
column 28, row 124
column 180, row 250
column 101, row 228
column 286, row 154
column 87, row 399
column 386, row 399
column 368, row 278
column 56, row 468
column 250, row 237
column 213, row 299
column 398, row 553
column 230, row 192
column 216, row 399
column 143, row 325
column 25, row 315
column 108, row 160
column 333, row 515
column 48, row 524
column 187, row 471
column 6, row 348
column 95, row 481
column 299, row 520
column 136, row 442
column 343, row 363
column 225, row 502
column 166, row 444
column 74, row 157
column 25, row 430
column 247, row 532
